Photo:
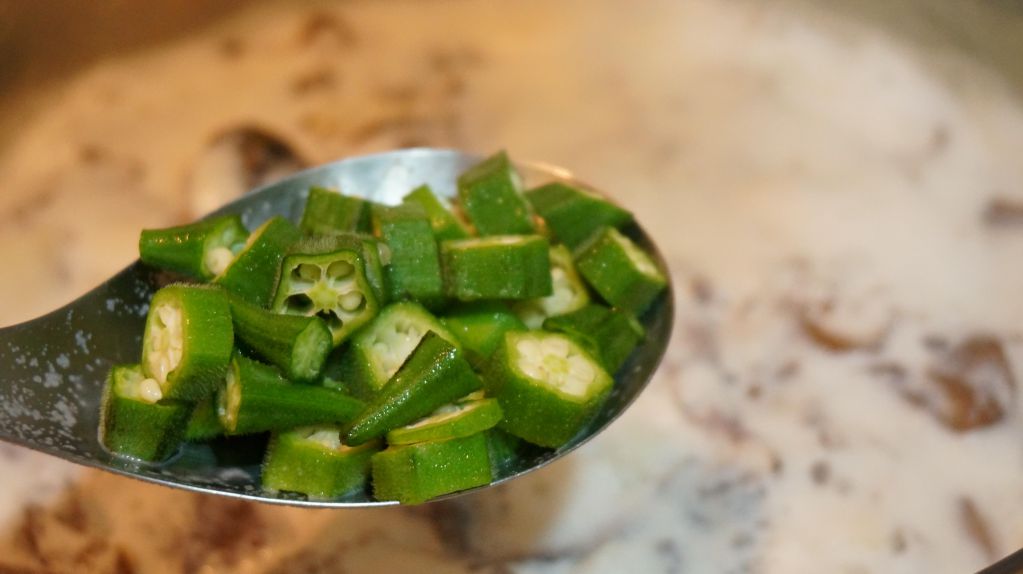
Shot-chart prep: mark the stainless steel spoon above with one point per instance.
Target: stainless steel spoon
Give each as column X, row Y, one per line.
column 53, row 367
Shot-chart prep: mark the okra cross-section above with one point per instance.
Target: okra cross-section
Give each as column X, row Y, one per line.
column 548, row 386
column 328, row 211
column 454, row 420
column 415, row 473
column 497, row 267
column 622, row 273
column 253, row 271
column 568, row 292
column 490, row 194
column 414, row 268
column 135, row 422
column 297, row 345
column 313, row 461
column 202, row 249
column 610, row 334
column 574, row 214
column 188, row 341
column 325, row 277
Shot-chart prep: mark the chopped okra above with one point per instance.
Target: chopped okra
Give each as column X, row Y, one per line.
column 453, row 420
column 568, row 292
column 202, row 249
column 490, row 193
column 417, row 472
column 622, row 273
column 204, row 423
column 497, row 267
column 253, row 272
column 610, row 334
column 445, row 224
column 414, row 268
column 135, row 421
column 480, row 326
column 574, row 214
column 328, row 211
column 314, row 462
column 297, row 345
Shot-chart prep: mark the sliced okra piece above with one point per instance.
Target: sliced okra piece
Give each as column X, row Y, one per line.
column 444, row 222
column 204, row 423
column 135, row 422
column 297, row 345
column 497, row 267
column 435, row 374
column 202, row 249
column 462, row 418
column 253, row 272
column 548, row 386
column 568, row 291
column 313, row 461
column 572, row 213
column 415, row 473
column 188, row 340
column 325, row 277
column 490, row 194
column 481, row 326
column 610, row 334
column 378, row 350
column 256, row 398
column 375, row 256
column 620, row 271
column 328, row 211
column 414, row 269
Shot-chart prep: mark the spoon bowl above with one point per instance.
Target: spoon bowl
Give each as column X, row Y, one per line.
column 52, row 369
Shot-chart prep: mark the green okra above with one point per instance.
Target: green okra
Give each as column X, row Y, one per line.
column 313, row 461
column 610, row 334
column 414, row 269
column 549, row 387
column 497, row 267
column 204, row 423
column 328, row 211
column 253, row 272
column 325, row 277
column 188, row 340
column 375, row 256
column 490, row 194
column 435, row 374
column 444, row 222
column 622, row 273
column 202, row 249
column 454, row 420
column 568, row 292
column 572, row 213
column 134, row 421
column 506, row 450
column 295, row 344
column 481, row 326
column 256, row 398
column 417, row 472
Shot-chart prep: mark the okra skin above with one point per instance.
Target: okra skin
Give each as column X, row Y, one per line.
column 297, row 345
column 328, row 211
column 253, row 273
column 490, row 194
column 622, row 273
column 415, row 473
column 188, row 249
column 201, row 322
column 481, row 326
column 133, row 427
column 452, row 421
column 373, row 260
column 445, row 224
column 574, row 214
column 414, row 270
column 256, row 398
column 435, row 374
column 607, row 333
column 296, row 461
column 568, row 292
column 497, row 267
column 204, row 423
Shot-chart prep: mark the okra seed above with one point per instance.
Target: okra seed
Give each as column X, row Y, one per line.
column 350, row 301
column 580, row 368
column 149, row 391
column 340, row 269
column 307, row 272
column 557, row 347
column 218, row 260
column 528, row 348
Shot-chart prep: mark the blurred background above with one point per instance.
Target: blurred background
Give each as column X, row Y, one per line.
column 837, row 187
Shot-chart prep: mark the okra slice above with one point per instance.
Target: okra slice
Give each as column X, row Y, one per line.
column 415, row 473
column 256, row 398
column 202, row 249
column 325, row 277
column 375, row 255
column 463, row 418
column 490, row 194
column 378, row 350
column 134, row 421
column 622, row 273
column 414, row 269
column 481, row 326
column 204, row 423
column 435, row 374
column 548, row 386
column 497, row 267
column 328, row 211
column 445, row 224
column 295, row 344
column 574, row 214
column 610, row 334
column 253, row 272
column 568, row 291
column 188, row 340
column 313, row 461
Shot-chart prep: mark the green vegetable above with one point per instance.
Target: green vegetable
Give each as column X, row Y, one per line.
column 312, row 461
column 568, row 291
column 548, row 386
column 435, row 374
column 463, row 418
column 415, row 473
column 445, row 224
column 202, row 249
column 622, row 273
column 481, row 326
column 609, row 334
column 375, row 255
column 574, row 214
column 204, row 423
column 497, row 267
column 253, row 272
column 297, row 345
column 414, row 269
column 134, row 421
column 188, row 340
column 491, row 196
column 327, row 211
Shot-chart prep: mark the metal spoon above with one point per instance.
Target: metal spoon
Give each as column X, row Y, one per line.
column 53, row 367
